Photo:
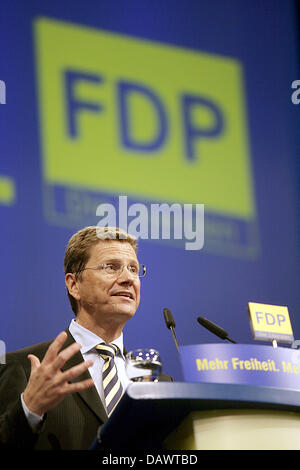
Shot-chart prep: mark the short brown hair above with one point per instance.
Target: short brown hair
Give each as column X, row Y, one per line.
column 79, row 247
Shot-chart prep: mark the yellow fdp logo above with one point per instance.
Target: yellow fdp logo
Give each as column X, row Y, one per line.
column 270, row 322
column 127, row 116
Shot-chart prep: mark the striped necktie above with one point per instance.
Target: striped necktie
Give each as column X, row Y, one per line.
column 111, row 383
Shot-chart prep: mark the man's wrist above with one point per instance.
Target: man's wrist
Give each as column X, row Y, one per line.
column 34, row 420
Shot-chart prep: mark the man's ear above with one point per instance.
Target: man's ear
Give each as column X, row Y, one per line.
column 72, row 285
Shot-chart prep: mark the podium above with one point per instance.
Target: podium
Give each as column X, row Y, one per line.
column 203, row 416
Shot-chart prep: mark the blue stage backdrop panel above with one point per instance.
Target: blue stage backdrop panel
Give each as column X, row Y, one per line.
column 184, row 102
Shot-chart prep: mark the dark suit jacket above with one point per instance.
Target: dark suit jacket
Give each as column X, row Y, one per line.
column 73, row 424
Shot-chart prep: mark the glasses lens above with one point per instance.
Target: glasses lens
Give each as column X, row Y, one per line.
column 116, row 269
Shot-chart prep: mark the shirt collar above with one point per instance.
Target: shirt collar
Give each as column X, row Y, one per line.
column 88, row 339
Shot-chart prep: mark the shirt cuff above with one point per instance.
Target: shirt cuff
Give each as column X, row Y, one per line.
column 33, row 419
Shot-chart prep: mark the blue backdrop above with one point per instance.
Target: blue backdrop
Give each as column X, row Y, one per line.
column 215, row 283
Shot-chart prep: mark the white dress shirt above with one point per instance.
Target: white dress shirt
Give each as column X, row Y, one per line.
column 88, row 341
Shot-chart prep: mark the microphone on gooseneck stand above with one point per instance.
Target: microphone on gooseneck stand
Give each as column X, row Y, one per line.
column 170, row 322
column 215, row 329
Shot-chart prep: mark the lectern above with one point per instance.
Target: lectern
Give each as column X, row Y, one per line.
column 183, row 416
column 234, row 397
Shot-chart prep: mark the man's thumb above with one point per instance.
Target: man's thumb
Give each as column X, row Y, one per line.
column 35, row 362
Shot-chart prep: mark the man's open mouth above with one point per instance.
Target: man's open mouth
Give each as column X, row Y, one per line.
column 123, row 294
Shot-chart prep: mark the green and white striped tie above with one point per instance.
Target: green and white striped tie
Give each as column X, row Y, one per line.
column 112, row 386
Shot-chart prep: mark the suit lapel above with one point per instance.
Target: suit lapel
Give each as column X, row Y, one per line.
column 89, row 396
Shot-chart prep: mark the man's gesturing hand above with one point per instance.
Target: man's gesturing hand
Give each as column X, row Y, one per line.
column 48, row 385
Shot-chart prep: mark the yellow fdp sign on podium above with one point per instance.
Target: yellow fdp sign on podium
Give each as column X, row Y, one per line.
column 270, row 322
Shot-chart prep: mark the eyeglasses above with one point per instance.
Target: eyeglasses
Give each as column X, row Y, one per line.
column 115, row 269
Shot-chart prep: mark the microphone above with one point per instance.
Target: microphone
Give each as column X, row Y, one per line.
column 170, row 322
column 215, row 329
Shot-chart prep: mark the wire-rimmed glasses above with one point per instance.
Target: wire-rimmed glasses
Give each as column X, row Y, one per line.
column 116, row 269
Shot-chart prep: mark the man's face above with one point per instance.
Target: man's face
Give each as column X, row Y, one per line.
column 104, row 295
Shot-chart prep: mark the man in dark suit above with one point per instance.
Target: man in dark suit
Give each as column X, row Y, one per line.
column 51, row 394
